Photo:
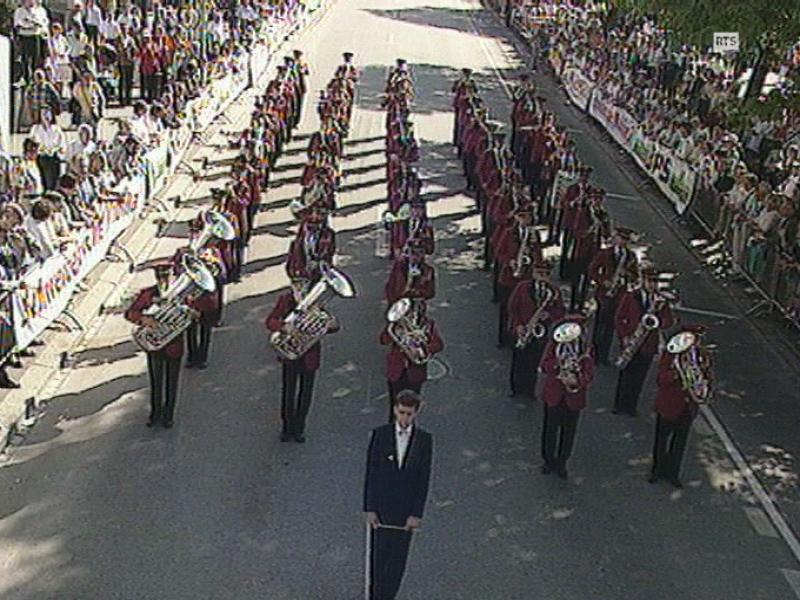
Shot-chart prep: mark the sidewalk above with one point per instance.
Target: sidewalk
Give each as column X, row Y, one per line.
column 41, row 376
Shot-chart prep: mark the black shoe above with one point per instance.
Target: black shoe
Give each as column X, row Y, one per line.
column 654, row 477
column 615, row 411
column 7, row 383
column 562, row 472
column 676, row 483
column 546, row 469
column 285, row 436
column 168, row 423
column 27, row 353
column 15, row 363
column 300, row 438
column 190, row 365
column 512, row 394
column 152, row 420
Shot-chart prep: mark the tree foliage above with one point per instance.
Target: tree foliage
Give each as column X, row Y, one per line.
column 771, row 24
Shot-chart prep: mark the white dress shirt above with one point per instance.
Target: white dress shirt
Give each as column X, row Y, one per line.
column 402, row 437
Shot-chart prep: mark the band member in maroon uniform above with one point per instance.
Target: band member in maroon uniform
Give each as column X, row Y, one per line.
column 574, row 196
column 532, row 308
column 415, row 227
column 568, row 369
column 517, row 252
column 611, row 270
column 684, row 382
column 163, row 366
column 411, row 276
column 639, row 337
column 403, row 372
column 314, row 244
column 462, row 89
column 298, row 375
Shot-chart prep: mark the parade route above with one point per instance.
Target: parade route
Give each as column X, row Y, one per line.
column 94, row 505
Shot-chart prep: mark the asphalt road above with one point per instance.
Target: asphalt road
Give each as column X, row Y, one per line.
column 96, row 506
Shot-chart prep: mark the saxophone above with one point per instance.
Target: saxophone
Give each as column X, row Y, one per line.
column 406, row 333
column 534, row 328
column 523, row 258
column 569, row 368
column 647, row 324
column 618, row 278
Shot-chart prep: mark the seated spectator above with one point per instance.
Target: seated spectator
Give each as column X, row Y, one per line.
column 84, row 146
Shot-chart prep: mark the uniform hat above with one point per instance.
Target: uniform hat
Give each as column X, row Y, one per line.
column 466, row 71
column 347, row 55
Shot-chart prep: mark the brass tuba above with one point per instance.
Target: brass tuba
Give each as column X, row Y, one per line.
column 171, row 312
column 309, row 321
column 412, row 339
column 215, row 225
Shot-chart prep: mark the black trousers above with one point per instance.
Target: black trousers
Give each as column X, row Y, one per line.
column 558, row 434
column 50, row 168
column 30, row 49
column 525, row 367
column 603, row 333
column 125, row 84
column 564, row 265
column 579, row 282
column 164, row 372
column 502, row 322
column 395, row 387
column 669, row 446
column 198, row 340
column 630, row 382
column 150, row 86
column 298, row 389
column 388, row 562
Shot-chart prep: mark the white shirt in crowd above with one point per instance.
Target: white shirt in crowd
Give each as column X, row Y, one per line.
column 51, row 139
column 93, row 16
column 402, row 437
column 77, row 148
column 109, row 28
column 44, row 234
column 31, row 21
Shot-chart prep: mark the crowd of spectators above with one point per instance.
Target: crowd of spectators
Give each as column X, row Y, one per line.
column 152, row 54
column 681, row 97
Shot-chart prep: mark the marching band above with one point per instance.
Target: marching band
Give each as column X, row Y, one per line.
column 536, row 201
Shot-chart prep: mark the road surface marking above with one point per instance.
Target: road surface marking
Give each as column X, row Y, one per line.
column 793, row 578
column 760, row 522
column 621, row 196
column 772, row 511
column 703, row 311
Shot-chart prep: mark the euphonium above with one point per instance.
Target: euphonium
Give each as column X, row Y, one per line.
column 693, row 371
column 569, row 368
column 171, row 312
column 412, row 339
column 215, row 225
column 309, row 322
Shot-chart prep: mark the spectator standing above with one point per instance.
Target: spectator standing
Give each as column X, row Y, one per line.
column 31, row 24
column 127, row 51
column 92, row 20
column 39, row 95
column 149, row 67
column 58, row 59
column 89, row 100
column 52, row 143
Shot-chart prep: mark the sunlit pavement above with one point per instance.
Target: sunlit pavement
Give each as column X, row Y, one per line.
column 95, row 505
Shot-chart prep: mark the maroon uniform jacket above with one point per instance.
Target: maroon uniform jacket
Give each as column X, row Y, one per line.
column 488, row 172
column 285, row 304
column 629, row 314
column 672, row 402
column 569, row 204
column 521, row 306
column 398, row 363
column 554, row 392
column 401, row 233
column 146, row 298
column 507, row 250
column 423, row 286
column 296, row 259
column 603, row 267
